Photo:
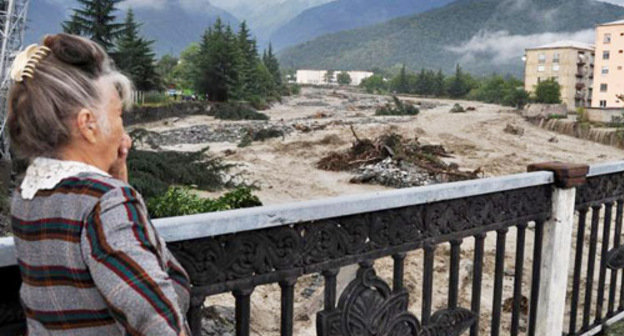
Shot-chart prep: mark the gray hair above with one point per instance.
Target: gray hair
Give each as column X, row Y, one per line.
column 64, row 82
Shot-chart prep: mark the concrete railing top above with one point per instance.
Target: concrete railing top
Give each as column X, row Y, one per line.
column 606, row 168
column 233, row 221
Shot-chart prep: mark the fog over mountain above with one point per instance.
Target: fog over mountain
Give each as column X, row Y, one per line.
column 484, row 36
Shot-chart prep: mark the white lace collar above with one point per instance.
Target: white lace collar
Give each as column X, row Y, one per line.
column 45, row 174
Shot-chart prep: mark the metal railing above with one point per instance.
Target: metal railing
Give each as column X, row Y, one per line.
column 596, row 296
column 483, row 222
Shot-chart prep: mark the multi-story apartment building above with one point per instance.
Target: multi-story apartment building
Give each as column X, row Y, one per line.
column 570, row 63
column 608, row 73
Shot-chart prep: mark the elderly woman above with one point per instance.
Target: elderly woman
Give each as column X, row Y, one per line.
column 91, row 261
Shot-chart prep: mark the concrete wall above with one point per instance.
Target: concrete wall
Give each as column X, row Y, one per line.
column 603, row 115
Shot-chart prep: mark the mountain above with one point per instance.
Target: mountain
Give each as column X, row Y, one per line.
column 485, row 36
column 346, row 14
column 264, row 17
column 171, row 24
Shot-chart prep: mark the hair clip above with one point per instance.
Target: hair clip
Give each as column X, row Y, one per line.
column 26, row 62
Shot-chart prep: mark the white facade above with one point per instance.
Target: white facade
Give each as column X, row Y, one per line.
column 317, row 77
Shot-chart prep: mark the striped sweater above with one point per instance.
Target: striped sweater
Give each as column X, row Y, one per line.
column 93, row 264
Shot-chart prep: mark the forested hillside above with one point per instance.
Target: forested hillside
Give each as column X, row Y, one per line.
column 485, row 36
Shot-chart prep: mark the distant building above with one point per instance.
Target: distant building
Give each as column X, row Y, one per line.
column 570, row 63
column 319, row 77
column 608, row 74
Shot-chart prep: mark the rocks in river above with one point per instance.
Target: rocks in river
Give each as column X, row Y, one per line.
column 223, row 133
column 218, row 321
column 392, row 173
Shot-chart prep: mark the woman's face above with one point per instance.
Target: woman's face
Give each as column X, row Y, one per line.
column 111, row 137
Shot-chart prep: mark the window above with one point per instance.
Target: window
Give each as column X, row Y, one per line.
column 603, row 103
column 607, row 38
column 555, row 78
column 556, row 58
column 621, row 51
column 605, row 70
column 605, row 55
column 540, row 68
column 603, row 87
column 539, row 80
column 555, row 67
column 542, row 58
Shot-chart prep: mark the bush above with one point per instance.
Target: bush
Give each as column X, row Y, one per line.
column 151, row 173
column 155, row 98
column 399, row 109
column 258, row 103
column 582, row 115
column 235, row 111
column 180, row 201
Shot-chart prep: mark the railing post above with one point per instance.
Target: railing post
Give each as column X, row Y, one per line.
column 556, row 246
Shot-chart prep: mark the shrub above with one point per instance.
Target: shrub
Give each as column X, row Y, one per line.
column 151, row 173
column 155, row 98
column 582, row 115
column 258, row 103
column 180, row 201
column 235, row 111
column 399, row 109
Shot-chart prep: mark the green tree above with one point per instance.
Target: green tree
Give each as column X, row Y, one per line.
column 548, row 92
column 374, row 84
column 247, row 84
column 218, row 63
column 186, row 71
column 96, row 20
column 135, row 56
column 400, row 83
column 165, row 69
column 437, row 86
column 270, row 61
column 344, row 78
column 329, row 76
column 458, row 85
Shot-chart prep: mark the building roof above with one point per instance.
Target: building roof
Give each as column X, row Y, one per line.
column 613, row 23
column 565, row 44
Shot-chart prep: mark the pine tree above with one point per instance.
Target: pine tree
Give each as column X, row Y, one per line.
column 135, row 56
column 248, row 84
column 218, row 63
column 270, row 61
column 96, row 21
column 458, row 86
column 401, row 83
column 438, row 84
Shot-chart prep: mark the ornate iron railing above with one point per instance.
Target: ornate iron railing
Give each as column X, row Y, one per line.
column 237, row 251
column 596, row 290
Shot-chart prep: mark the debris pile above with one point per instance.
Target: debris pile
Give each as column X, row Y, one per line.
column 400, row 108
column 457, row 109
column 393, row 161
column 513, row 129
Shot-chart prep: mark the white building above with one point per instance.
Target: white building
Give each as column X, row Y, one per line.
column 318, row 77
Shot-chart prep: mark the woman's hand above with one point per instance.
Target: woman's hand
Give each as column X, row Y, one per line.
column 119, row 169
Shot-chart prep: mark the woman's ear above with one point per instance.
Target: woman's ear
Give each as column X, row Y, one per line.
column 87, row 125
